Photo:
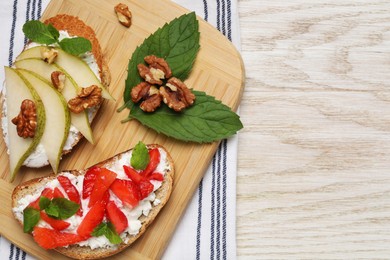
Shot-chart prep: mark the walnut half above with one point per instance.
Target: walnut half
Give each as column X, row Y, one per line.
column 58, row 80
column 150, row 96
column 26, row 121
column 157, row 70
column 88, row 97
column 177, row 95
column 124, row 15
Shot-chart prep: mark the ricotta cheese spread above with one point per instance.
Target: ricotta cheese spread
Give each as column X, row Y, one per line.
column 38, row 157
column 132, row 214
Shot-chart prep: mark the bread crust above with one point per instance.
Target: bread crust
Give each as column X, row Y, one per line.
column 84, row 252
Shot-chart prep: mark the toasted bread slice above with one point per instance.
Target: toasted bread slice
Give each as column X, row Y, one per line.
column 75, row 27
column 34, row 186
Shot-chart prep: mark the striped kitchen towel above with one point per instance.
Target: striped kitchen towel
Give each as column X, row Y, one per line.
column 207, row 230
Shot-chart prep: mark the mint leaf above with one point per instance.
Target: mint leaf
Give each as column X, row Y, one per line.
column 38, row 32
column 75, row 46
column 53, row 211
column 100, row 230
column 31, row 217
column 107, row 230
column 177, row 42
column 207, row 120
column 53, row 31
column 61, row 208
column 44, row 202
column 140, row 157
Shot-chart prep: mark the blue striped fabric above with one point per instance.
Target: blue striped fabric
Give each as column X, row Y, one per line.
column 207, row 229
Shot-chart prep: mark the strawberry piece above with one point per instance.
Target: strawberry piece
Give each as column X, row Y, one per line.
column 102, row 183
column 153, row 163
column 54, row 223
column 127, row 191
column 57, row 193
column 51, row 238
column 133, row 174
column 144, row 185
column 47, row 192
column 156, row 176
column 145, row 188
column 71, row 191
column 94, row 217
column 89, row 181
column 116, row 217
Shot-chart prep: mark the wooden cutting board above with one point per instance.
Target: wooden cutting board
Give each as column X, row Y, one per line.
column 218, row 71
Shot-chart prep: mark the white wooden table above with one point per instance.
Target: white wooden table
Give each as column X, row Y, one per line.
column 314, row 156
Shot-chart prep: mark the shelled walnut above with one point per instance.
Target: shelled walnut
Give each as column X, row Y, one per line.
column 88, row 97
column 176, row 94
column 123, row 13
column 49, row 55
column 157, row 71
column 58, row 80
column 150, row 96
column 26, row 120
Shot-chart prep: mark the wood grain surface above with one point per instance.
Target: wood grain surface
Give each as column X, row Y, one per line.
column 218, row 71
column 314, row 156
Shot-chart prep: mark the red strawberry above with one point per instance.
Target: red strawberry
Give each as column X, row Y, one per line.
column 89, row 180
column 94, row 217
column 144, row 185
column 154, row 161
column 127, row 191
column 116, row 217
column 57, row 193
column 47, row 192
column 71, row 191
column 145, row 188
column 133, row 174
column 51, row 238
column 102, row 183
column 156, row 176
column 54, row 223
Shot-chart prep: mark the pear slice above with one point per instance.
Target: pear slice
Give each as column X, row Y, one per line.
column 57, row 117
column 17, row 90
column 80, row 121
column 73, row 65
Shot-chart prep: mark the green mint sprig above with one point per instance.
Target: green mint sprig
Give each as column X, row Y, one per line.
column 207, row 120
column 31, row 217
column 57, row 208
column 41, row 33
column 60, row 208
column 107, row 230
column 140, row 157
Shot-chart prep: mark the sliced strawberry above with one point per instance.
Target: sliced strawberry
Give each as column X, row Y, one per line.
column 51, row 238
column 144, row 185
column 116, row 217
column 47, row 192
column 127, row 191
column 89, row 181
column 71, row 191
column 145, row 188
column 153, row 163
column 93, row 218
column 133, row 174
column 57, row 193
column 54, row 223
column 102, row 183
column 156, row 176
